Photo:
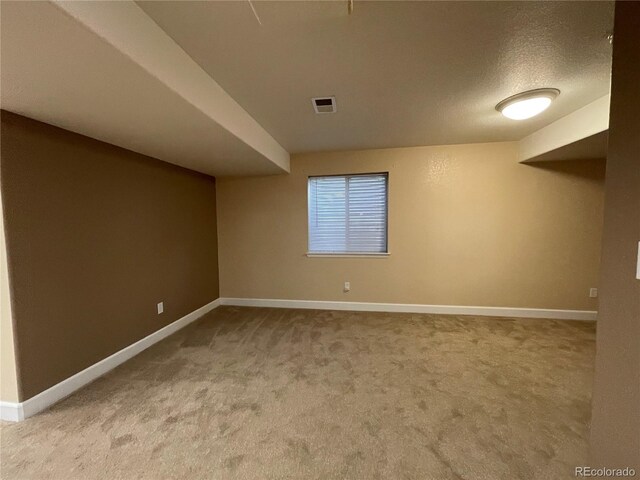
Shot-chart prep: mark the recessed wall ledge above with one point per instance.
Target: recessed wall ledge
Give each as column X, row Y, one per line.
column 583, row 131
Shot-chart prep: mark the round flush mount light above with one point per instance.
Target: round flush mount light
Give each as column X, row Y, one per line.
column 527, row 104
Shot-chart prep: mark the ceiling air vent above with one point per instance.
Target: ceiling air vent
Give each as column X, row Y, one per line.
column 324, row 104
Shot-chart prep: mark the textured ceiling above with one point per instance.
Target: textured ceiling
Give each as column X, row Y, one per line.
column 403, row 73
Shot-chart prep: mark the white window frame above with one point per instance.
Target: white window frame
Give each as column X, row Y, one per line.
column 319, row 254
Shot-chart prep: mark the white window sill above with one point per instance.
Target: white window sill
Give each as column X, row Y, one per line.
column 348, row 255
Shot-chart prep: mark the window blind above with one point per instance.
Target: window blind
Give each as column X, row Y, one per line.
column 348, row 213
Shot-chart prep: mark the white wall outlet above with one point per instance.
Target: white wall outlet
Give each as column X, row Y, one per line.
column 593, row 292
column 347, row 286
column 160, row 308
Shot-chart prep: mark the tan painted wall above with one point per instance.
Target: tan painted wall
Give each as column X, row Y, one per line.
column 96, row 236
column 8, row 377
column 468, row 225
column 615, row 431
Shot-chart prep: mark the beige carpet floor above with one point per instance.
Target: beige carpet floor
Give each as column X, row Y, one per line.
column 250, row 393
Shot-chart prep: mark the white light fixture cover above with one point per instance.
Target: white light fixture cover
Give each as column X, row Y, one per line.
column 527, row 104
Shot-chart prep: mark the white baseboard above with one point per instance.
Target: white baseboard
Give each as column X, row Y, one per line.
column 16, row 412
column 11, row 412
column 414, row 308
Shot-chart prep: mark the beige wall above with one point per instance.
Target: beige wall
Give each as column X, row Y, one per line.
column 468, row 225
column 97, row 236
column 615, row 432
column 8, row 378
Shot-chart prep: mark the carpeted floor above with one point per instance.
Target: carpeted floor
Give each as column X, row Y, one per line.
column 252, row 393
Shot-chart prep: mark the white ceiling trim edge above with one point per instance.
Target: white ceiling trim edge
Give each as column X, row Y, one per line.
column 582, row 123
column 125, row 26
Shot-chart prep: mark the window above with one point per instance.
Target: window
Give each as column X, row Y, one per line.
column 348, row 214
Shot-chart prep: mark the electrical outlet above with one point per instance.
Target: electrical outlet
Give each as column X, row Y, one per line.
column 347, row 286
column 160, row 308
column 593, row 292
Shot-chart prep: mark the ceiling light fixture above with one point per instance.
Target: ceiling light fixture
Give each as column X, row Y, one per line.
column 527, row 104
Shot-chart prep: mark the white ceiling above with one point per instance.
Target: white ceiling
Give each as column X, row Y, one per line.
column 204, row 85
column 403, row 73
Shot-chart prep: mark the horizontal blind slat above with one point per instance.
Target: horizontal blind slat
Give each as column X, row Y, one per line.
column 348, row 213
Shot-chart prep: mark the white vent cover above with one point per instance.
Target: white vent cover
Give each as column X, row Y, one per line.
column 324, row 104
